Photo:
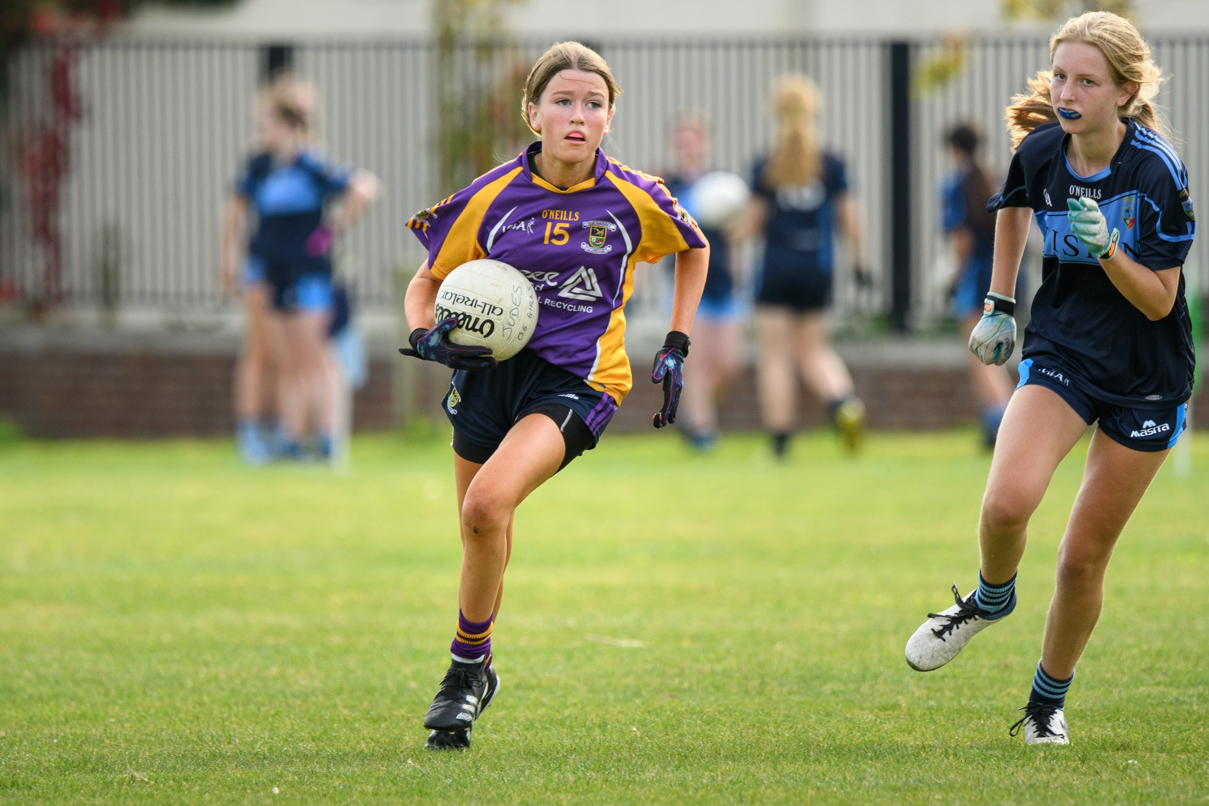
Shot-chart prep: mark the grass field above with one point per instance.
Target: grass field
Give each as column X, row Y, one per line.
column 678, row 629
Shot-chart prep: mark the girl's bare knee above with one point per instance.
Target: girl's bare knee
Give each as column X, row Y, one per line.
column 1005, row 512
column 484, row 514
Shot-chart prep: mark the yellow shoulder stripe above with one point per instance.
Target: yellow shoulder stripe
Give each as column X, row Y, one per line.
column 462, row 243
column 660, row 235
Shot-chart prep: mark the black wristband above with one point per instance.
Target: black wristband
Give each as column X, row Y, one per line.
column 998, row 303
column 677, row 341
column 416, row 335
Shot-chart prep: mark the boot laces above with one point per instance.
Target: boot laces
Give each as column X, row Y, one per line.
column 1040, row 714
column 966, row 611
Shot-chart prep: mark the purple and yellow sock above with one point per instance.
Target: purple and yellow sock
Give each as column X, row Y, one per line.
column 472, row 643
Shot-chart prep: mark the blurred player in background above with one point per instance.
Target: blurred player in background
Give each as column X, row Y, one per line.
column 290, row 186
column 971, row 231
column 576, row 223
column 800, row 199
column 717, row 330
column 1109, row 341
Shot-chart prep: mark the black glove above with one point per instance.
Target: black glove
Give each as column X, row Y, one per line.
column 669, row 370
column 434, row 345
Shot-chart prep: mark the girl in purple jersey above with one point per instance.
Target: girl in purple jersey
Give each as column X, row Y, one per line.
column 577, row 223
column 1111, row 276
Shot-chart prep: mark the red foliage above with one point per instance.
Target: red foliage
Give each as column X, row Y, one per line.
column 43, row 156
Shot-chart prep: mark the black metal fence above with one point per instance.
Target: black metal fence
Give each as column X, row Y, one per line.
column 142, row 164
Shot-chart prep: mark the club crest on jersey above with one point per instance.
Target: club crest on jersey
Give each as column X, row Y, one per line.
column 1187, row 204
column 1128, row 214
column 598, row 233
column 683, row 215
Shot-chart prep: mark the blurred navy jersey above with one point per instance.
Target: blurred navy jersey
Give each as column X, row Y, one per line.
column 1079, row 319
column 800, row 232
column 289, row 200
column 719, row 282
column 975, row 278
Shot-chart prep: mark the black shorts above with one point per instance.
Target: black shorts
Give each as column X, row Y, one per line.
column 483, row 406
column 300, row 285
column 801, row 291
column 1137, row 429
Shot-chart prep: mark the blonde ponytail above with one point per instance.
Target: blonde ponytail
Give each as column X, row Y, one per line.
column 797, row 158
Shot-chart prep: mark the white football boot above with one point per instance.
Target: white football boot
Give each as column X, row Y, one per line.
column 1043, row 724
column 944, row 634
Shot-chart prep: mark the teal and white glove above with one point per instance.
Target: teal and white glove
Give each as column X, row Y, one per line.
column 994, row 337
column 1089, row 226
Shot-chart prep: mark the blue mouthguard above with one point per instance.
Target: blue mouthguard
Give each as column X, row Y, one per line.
column 1068, row 114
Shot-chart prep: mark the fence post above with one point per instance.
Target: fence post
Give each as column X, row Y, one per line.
column 898, row 134
column 275, row 59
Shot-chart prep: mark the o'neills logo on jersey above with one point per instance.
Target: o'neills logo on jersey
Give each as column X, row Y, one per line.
column 1091, row 193
column 560, row 215
column 1149, row 429
column 598, row 232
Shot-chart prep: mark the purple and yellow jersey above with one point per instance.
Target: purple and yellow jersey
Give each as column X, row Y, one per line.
column 577, row 246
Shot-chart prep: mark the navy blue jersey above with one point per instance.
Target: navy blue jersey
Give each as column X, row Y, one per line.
column 1079, row 319
column 974, row 279
column 289, row 200
column 719, row 282
column 955, row 213
column 800, row 232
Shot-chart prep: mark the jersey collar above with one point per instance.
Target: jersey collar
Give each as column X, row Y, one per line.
column 1130, row 127
column 602, row 163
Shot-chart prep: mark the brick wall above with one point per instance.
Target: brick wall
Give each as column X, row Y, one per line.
column 59, row 390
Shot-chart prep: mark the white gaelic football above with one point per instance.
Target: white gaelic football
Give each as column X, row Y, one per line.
column 717, row 198
column 495, row 305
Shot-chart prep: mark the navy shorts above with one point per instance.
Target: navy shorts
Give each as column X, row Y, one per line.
column 1137, row 429
column 483, row 406
column 801, row 291
column 308, row 293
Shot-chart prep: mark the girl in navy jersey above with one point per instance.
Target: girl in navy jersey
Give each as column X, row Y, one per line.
column 290, row 187
column 971, row 231
column 718, row 332
column 577, row 223
column 800, row 200
column 1109, row 341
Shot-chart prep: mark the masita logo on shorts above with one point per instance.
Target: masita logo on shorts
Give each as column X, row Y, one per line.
column 1149, row 429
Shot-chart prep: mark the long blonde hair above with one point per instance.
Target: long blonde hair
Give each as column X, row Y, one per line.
column 1128, row 58
column 565, row 56
column 797, row 158
column 292, row 100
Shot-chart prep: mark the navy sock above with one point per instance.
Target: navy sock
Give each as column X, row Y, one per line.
column 993, row 598
column 1048, row 690
column 780, row 443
